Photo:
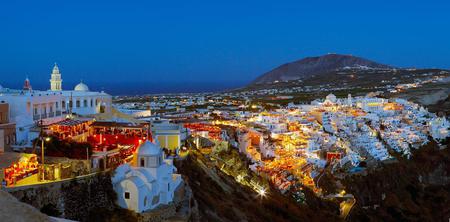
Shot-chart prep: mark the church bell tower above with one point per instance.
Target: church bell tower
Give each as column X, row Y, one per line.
column 56, row 81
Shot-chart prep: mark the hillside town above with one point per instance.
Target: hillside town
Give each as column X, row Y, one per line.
column 57, row 135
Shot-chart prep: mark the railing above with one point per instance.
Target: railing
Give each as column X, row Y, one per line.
column 58, row 113
column 50, row 115
column 36, row 117
column 43, row 116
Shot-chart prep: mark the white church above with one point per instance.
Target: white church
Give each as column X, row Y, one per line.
column 28, row 106
column 150, row 182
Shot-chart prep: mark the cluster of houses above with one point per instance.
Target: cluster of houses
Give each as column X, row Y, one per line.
column 343, row 131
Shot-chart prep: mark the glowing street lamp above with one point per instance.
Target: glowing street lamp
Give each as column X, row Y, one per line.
column 262, row 192
column 46, row 139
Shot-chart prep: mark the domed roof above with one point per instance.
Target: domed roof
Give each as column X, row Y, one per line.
column 149, row 149
column 81, row 87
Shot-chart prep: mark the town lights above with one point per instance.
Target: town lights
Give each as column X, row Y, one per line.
column 47, row 139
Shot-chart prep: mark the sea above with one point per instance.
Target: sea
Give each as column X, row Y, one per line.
column 143, row 88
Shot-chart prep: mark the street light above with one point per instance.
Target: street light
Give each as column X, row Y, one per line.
column 262, row 192
column 46, row 139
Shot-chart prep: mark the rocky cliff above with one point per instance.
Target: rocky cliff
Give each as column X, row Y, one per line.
column 409, row 190
column 12, row 210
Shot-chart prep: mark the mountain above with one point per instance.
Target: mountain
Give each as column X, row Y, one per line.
column 310, row 66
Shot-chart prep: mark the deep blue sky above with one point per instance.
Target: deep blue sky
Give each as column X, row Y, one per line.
column 217, row 42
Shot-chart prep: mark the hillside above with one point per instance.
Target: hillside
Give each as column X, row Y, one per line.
column 311, row 66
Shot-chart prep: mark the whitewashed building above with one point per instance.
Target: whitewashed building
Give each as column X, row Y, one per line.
column 151, row 182
column 28, row 106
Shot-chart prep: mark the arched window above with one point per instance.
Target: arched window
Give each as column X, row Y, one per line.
column 145, row 201
column 142, row 162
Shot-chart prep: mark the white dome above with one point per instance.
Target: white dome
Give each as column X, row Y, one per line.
column 149, row 149
column 81, row 87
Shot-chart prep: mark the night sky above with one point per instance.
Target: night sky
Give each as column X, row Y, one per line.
column 164, row 46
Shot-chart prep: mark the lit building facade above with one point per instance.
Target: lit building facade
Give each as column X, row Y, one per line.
column 28, row 107
column 149, row 183
column 167, row 134
column 55, row 80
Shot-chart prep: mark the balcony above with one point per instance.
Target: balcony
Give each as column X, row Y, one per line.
column 58, row 113
column 43, row 116
column 36, row 117
column 50, row 115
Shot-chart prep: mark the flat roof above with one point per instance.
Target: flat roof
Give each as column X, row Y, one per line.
column 117, row 124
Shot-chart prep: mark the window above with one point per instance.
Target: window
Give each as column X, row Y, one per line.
column 92, row 103
column 85, row 103
column 57, row 105
column 78, row 103
column 142, row 162
column 63, row 104
column 168, row 187
column 127, row 195
column 145, row 201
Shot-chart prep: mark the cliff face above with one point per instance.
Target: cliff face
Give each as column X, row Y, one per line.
column 87, row 199
column 13, row 210
column 410, row 190
column 221, row 198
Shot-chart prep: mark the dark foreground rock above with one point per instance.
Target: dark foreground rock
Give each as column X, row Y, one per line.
column 409, row 190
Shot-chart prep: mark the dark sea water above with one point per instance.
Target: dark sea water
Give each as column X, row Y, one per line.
column 140, row 88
